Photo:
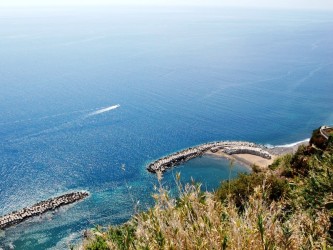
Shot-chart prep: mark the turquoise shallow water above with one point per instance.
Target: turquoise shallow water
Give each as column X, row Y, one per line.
column 181, row 76
column 207, row 170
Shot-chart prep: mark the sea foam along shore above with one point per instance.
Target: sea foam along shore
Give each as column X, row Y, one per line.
column 40, row 208
column 287, row 148
column 227, row 147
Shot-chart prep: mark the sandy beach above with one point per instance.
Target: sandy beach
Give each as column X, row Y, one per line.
column 249, row 159
column 225, row 147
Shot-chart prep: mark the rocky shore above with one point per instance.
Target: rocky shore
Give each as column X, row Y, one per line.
column 228, row 147
column 40, row 208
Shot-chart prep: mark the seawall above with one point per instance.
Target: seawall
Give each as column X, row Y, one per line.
column 228, row 147
column 40, row 208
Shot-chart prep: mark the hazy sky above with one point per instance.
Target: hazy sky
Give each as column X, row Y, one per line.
column 295, row 4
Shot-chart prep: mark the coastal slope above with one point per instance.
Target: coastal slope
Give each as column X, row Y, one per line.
column 288, row 205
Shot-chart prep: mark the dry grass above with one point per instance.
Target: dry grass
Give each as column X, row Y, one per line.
column 200, row 221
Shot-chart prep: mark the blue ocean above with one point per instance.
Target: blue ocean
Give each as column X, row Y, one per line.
column 90, row 96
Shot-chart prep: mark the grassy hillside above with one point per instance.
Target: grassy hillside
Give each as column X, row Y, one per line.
column 289, row 206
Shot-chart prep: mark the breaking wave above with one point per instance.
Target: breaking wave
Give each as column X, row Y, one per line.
column 292, row 144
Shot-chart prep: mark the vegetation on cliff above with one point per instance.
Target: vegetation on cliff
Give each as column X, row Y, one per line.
column 288, row 206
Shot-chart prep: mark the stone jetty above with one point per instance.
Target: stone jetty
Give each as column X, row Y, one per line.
column 228, row 147
column 40, row 208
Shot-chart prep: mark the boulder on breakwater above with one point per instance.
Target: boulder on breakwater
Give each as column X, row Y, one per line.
column 228, row 147
column 40, row 208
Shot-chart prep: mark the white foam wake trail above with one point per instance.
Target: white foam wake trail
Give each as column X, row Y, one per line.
column 48, row 116
column 103, row 110
column 292, row 144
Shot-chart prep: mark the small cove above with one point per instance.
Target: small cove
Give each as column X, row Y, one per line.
column 207, row 170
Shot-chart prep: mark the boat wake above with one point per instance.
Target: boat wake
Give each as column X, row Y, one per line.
column 103, row 110
column 64, row 125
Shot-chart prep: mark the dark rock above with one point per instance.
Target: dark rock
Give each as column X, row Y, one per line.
column 40, row 208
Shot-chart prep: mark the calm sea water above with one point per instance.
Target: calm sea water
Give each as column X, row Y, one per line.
column 181, row 77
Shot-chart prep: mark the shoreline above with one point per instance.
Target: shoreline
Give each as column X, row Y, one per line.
column 227, row 147
column 246, row 153
column 249, row 160
column 246, row 160
column 40, row 208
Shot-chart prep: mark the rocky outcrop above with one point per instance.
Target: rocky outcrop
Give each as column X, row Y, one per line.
column 326, row 131
column 40, row 208
column 247, row 150
column 228, row 147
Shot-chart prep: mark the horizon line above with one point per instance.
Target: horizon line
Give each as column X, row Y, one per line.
column 138, row 5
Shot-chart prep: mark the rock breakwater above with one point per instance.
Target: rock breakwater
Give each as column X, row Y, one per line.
column 228, row 147
column 40, row 208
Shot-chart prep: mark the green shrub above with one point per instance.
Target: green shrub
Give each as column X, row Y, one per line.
column 282, row 166
column 122, row 236
column 97, row 244
column 256, row 168
column 244, row 185
column 275, row 165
